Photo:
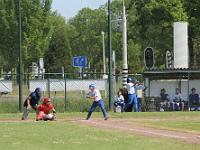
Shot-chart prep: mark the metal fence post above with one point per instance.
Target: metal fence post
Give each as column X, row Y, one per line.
column 48, row 87
column 110, row 56
column 65, row 95
column 20, row 56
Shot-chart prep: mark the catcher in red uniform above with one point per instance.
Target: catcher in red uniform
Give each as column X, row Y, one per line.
column 44, row 110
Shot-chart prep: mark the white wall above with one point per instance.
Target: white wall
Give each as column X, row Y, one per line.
column 71, row 85
column 181, row 53
column 6, row 86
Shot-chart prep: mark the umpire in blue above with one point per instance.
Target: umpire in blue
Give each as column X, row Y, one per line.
column 31, row 102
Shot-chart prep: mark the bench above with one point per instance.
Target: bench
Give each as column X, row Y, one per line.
column 152, row 104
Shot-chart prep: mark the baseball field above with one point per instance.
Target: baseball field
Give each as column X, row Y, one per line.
column 122, row 131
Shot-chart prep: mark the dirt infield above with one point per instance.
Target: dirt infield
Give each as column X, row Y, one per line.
column 118, row 125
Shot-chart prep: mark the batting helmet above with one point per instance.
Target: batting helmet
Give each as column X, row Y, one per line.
column 129, row 80
column 46, row 100
column 92, row 86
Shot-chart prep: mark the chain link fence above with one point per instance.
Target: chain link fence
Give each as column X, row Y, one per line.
column 67, row 91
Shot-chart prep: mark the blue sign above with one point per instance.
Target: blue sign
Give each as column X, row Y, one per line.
column 80, row 61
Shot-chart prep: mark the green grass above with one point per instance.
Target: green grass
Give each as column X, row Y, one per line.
column 8, row 106
column 20, row 135
column 180, row 121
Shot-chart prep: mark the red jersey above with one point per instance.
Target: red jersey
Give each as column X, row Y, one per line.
column 45, row 108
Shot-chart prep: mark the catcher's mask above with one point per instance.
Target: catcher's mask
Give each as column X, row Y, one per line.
column 46, row 100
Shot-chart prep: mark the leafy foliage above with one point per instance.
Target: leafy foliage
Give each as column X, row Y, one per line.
column 58, row 54
column 86, row 38
column 9, row 34
column 47, row 34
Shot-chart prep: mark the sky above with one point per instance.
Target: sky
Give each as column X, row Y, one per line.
column 69, row 8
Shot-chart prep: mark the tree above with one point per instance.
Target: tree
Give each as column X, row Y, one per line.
column 192, row 9
column 153, row 25
column 9, row 34
column 85, row 36
column 59, row 53
column 37, row 29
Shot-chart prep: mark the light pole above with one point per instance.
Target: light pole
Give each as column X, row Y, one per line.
column 110, row 57
column 124, row 54
column 104, row 59
column 20, row 55
column 124, row 44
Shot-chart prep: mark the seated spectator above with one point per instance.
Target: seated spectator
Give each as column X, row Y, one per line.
column 178, row 102
column 119, row 101
column 125, row 95
column 164, row 104
column 194, row 103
